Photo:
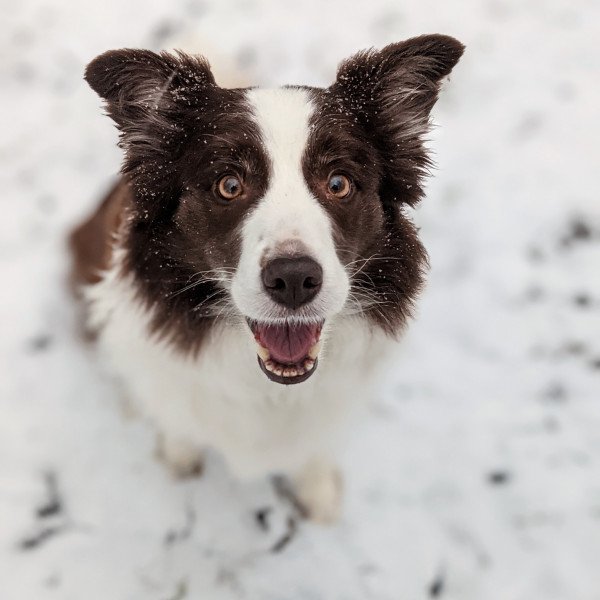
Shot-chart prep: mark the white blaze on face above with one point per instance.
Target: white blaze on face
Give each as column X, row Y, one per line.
column 288, row 215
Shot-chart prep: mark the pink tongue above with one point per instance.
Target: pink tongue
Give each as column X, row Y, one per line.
column 287, row 344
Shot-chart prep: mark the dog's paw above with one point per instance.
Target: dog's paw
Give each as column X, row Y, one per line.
column 184, row 460
column 319, row 491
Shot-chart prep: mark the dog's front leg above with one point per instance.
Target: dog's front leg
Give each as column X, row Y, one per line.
column 183, row 458
column 318, row 489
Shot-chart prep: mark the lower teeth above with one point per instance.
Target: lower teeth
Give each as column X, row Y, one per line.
column 296, row 371
column 271, row 366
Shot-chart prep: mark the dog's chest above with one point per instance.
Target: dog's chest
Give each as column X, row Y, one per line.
column 221, row 397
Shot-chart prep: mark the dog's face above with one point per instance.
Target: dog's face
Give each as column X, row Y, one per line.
column 281, row 209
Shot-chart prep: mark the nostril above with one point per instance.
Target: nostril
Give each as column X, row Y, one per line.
column 278, row 284
column 311, row 282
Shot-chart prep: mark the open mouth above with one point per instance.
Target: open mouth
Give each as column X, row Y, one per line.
column 288, row 352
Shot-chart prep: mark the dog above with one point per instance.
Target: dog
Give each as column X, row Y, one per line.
column 246, row 276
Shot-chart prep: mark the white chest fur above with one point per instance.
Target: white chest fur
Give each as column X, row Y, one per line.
column 221, row 398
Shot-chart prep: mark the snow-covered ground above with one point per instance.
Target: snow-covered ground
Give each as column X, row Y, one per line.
column 476, row 475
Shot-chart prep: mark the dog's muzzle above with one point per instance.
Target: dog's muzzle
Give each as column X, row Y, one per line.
column 288, row 350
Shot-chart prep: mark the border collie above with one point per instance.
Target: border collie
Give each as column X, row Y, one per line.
column 246, row 275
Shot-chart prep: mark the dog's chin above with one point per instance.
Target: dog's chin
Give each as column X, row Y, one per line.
column 287, row 352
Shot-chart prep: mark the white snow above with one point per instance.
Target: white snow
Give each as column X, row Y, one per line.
column 498, row 377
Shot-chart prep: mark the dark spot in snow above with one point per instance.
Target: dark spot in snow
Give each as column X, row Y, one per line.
column 285, row 491
column 574, row 348
column 227, row 577
column 49, row 515
column 595, row 364
column 534, row 293
column 529, row 126
column 555, row 392
column 535, row 254
column 582, row 300
column 43, row 535
column 174, row 536
column 287, row 537
column 52, row 581
column 162, row 32
column 579, row 231
column 40, row 343
column 499, row 477
column 180, row 591
column 24, row 72
column 551, row 424
column 262, row 517
column 53, row 504
column 436, row 588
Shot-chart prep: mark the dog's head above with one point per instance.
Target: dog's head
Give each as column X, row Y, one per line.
column 283, row 207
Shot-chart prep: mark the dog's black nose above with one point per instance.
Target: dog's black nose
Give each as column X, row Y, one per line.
column 292, row 281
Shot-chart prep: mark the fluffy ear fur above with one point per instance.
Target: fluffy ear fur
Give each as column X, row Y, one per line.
column 147, row 95
column 135, row 82
column 391, row 92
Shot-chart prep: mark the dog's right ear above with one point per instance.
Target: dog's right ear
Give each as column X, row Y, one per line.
column 139, row 84
column 401, row 77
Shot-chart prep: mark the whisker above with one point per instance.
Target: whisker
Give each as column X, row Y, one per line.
column 221, row 277
column 199, row 306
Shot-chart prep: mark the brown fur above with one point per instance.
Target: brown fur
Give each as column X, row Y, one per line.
column 92, row 242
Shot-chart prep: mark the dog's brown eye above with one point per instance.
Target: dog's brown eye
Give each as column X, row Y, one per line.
column 339, row 186
column 229, row 187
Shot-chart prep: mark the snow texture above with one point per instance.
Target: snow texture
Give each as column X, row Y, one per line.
column 475, row 474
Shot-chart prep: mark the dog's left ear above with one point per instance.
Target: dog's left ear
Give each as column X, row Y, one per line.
column 391, row 92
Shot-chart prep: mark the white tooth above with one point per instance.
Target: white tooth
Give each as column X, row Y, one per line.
column 290, row 372
column 278, row 370
column 270, row 366
column 314, row 351
column 263, row 353
column 309, row 363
